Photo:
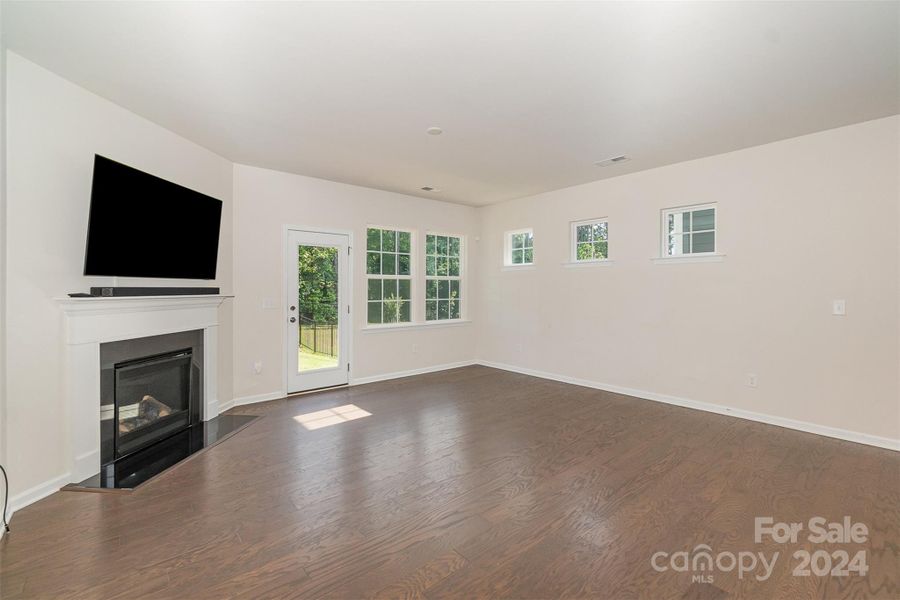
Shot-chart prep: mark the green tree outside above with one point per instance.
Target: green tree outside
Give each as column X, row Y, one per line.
column 318, row 284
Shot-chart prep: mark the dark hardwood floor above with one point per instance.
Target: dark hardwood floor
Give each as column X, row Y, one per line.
column 464, row 484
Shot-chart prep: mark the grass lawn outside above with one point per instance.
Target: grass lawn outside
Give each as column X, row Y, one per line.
column 309, row 360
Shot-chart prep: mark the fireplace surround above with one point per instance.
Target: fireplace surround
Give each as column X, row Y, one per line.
column 96, row 321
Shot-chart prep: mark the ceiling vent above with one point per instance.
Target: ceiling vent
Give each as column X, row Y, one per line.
column 613, row 161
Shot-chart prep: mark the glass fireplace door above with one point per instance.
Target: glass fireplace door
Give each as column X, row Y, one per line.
column 152, row 400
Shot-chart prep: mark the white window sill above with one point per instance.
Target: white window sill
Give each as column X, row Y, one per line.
column 413, row 326
column 518, row 267
column 688, row 258
column 578, row 264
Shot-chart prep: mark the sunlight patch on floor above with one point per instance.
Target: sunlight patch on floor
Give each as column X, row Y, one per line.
column 331, row 416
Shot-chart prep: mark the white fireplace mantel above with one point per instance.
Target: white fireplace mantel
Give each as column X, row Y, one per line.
column 92, row 321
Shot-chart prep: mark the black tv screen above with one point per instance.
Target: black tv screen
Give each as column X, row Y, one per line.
column 144, row 226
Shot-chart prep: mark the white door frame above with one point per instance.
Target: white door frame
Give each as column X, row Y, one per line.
column 287, row 284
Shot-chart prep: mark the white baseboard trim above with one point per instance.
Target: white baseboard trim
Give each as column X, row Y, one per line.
column 85, row 466
column 223, row 406
column 32, row 495
column 241, row 401
column 411, row 372
column 833, row 432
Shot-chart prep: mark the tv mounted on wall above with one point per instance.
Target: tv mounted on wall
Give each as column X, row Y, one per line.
column 144, row 226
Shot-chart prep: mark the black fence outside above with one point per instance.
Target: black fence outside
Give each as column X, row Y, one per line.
column 321, row 338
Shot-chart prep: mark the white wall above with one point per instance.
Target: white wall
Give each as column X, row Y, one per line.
column 802, row 222
column 54, row 129
column 264, row 202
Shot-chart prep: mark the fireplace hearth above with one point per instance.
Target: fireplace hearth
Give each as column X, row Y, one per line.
column 135, row 469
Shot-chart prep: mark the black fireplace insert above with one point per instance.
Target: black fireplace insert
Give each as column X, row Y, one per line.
column 152, row 400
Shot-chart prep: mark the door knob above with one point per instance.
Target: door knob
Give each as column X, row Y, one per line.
column 293, row 308
column 293, row 319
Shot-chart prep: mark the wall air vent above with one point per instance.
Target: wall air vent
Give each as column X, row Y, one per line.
column 612, row 161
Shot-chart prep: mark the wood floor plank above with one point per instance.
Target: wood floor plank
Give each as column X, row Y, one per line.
column 417, row 584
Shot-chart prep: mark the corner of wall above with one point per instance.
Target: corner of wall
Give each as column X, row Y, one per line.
column 225, row 383
column 3, row 225
column 479, row 279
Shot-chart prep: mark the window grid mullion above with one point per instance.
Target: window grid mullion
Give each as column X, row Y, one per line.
column 404, row 303
column 442, row 299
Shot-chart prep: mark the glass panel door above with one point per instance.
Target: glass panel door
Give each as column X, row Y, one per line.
column 318, row 310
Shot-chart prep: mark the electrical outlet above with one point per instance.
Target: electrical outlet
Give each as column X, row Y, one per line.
column 257, row 367
column 839, row 308
column 752, row 380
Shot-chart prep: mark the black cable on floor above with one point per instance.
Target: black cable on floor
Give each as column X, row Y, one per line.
column 5, row 496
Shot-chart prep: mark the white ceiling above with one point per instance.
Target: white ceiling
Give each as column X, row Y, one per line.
column 529, row 95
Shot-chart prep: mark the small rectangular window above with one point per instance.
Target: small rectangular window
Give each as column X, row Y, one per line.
column 389, row 275
column 689, row 230
column 590, row 240
column 519, row 247
column 443, row 277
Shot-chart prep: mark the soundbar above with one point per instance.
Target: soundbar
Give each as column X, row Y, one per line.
column 110, row 292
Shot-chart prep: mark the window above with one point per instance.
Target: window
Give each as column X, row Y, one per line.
column 389, row 272
column 689, row 230
column 590, row 241
column 443, row 275
column 520, row 247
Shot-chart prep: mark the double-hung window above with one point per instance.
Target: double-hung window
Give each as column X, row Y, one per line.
column 389, row 273
column 443, row 277
column 689, row 230
column 590, row 240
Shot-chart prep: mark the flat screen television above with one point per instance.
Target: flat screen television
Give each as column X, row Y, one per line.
column 143, row 226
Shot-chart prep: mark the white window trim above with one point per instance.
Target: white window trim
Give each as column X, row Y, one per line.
column 583, row 264
column 705, row 257
column 413, row 238
column 463, row 282
column 415, row 326
column 573, row 242
column 664, row 234
column 507, row 248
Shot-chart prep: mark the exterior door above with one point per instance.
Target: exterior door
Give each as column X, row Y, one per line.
column 318, row 310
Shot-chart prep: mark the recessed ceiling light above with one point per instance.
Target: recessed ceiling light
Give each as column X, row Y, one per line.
column 434, row 131
column 612, row 161
column 428, row 188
